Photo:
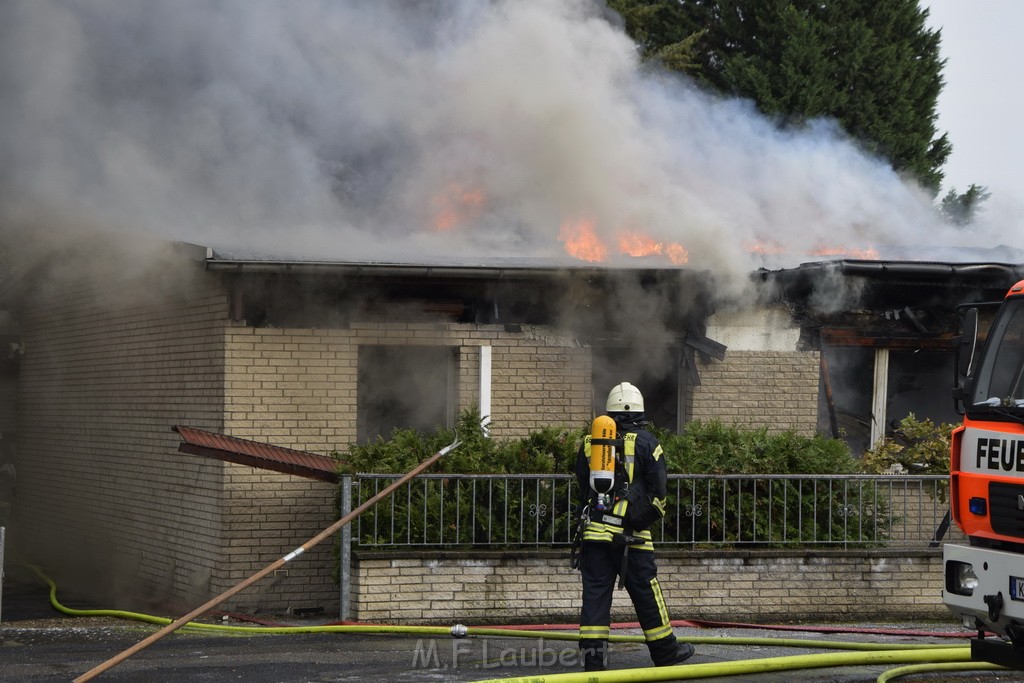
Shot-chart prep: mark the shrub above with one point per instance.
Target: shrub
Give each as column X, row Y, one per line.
column 489, row 512
column 714, row 448
column 477, row 513
column 750, row 510
column 548, row 450
column 915, row 446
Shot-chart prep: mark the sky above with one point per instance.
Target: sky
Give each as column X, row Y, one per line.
column 464, row 130
column 981, row 104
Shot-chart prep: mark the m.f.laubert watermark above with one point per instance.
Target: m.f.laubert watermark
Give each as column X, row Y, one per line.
column 482, row 654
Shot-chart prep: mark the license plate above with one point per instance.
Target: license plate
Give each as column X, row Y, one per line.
column 1017, row 588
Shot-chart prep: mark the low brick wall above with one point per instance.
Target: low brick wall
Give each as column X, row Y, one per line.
column 749, row 586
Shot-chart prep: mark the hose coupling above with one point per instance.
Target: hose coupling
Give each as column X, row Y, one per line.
column 459, row 631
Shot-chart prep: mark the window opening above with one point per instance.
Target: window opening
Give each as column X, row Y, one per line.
column 401, row 387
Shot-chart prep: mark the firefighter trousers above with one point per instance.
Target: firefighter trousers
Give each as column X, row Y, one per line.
column 600, row 564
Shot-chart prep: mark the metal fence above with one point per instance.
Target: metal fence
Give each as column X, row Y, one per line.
column 713, row 511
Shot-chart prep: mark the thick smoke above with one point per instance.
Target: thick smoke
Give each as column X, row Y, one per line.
column 398, row 130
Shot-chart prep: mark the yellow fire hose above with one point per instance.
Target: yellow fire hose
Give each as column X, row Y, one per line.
column 213, row 602
column 893, row 674
column 469, row 631
column 930, row 657
column 926, row 657
column 746, row 666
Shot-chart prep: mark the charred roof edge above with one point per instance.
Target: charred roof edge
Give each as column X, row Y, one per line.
column 901, row 268
column 422, row 271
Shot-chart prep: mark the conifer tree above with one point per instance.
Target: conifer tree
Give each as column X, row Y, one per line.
column 872, row 65
column 962, row 208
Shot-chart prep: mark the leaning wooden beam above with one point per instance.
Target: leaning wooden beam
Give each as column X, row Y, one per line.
column 256, row 454
column 274, row 566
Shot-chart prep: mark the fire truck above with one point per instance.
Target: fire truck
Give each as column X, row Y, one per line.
column 984, row 580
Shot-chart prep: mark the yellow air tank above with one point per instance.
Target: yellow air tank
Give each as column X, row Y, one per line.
column 602, row 454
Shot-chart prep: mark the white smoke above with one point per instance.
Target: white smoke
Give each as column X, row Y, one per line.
column 350, row 129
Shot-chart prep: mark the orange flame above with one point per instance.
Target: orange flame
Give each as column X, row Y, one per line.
column 677, row 254
column 869, row 254
column 582, row 242
column 637, row 244
column 771, row 247
column 457, row 205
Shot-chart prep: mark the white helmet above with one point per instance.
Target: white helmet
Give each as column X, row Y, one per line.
column 625, row 398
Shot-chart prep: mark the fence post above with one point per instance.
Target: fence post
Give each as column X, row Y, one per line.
column 345, row 554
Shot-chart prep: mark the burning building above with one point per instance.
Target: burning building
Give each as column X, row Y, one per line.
column 317, row 355
column 504, row 208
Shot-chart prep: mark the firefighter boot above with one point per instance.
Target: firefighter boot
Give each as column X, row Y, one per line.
column 668, row 651
column 595, row 655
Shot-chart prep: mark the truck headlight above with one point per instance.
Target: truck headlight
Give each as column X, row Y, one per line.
column 960, row 578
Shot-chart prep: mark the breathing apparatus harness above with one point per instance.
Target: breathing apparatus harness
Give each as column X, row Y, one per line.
column 609, row 484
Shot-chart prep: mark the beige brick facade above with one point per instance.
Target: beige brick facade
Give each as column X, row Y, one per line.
column 111, row 364
column 766, row 378
column 742, row 586
column 774, row 389
column 297, row 388
column 102, row 495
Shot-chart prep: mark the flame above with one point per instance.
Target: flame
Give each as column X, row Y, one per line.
column 457, row 205
column 771, row 247
column 677, row 254
column 869, row 253
column 637, row 244
column 581, row 241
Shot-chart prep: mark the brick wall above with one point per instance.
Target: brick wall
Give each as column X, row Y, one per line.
column 8, row 401
column 297, row 388
column 774, row 389
column 539, row 587
column 112, row 362
column 766, row 379
column 103, row 499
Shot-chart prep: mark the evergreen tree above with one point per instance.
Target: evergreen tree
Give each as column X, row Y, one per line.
column 873, row 65
column 961, row 209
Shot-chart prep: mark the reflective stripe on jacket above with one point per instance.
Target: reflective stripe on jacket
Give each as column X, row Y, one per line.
column 644, row 470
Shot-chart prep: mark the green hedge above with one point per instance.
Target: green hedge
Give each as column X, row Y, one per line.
column 737, row 512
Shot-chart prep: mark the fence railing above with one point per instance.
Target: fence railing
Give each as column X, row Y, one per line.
column 502, row 511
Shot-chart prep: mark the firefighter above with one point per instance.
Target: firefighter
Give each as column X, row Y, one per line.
column 615, row 536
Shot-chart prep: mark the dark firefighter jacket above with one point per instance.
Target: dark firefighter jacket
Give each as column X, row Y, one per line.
column 641, row 501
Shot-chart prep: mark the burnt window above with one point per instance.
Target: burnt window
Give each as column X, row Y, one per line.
column 920, row 382
column 402, row 387
column 915, row 381
column 850, row 372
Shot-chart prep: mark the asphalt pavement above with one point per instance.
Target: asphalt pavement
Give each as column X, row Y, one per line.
column 38, row 643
